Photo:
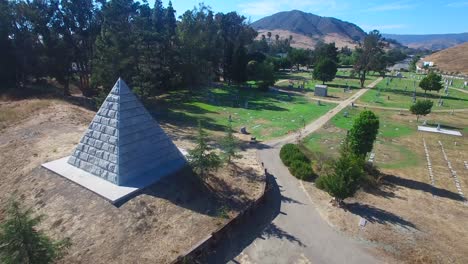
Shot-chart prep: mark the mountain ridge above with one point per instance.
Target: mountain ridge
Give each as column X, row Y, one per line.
column 308, row 29
column 430, row 41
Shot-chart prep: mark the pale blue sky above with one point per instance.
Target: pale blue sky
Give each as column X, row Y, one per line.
column 399, row 17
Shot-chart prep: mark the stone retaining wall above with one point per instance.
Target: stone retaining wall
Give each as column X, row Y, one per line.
column 204, row 246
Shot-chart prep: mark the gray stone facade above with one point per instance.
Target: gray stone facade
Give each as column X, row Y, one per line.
column 124, row 142
column 321, row 90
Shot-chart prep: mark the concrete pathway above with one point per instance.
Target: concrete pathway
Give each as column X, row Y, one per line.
column 298, row 234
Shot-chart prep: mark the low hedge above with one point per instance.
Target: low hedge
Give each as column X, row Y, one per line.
column 297, row 163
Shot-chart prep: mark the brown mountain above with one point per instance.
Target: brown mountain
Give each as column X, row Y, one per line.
column 431, row 42
column 451, row 60
column 307, row 29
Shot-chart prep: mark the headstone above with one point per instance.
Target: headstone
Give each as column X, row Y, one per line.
column 352, row 104
column 321, row 90
column 318, row 103
column 246, row 105
column 230, row 118
column 346, row 114
column 243, row 130
column 438, row 127
column 424, row 123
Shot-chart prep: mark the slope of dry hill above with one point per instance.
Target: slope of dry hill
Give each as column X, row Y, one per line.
column 307, row 29
column 451, row 60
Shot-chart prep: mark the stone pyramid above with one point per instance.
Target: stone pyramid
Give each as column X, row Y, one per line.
column 124, row 144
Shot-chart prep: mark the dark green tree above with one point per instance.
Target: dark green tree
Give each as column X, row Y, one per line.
column 230, row 145
column 201, row 158
column 115, row 54
column 298, row 57
column 263, row 73
column 239, row 65
column 80, row 25
column 363, row 133
column 421, row 108
column 325, row 70
column 326, row 51
column 22, row 242
column 346, row 175
column 7, row 66
column 432, row 82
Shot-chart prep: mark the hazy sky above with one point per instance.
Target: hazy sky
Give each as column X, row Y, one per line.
column 403, row 17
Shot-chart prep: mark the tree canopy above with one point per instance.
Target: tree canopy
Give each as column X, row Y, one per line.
column 432, row 82
column 369, row 55
column 363, row 133
column 325, row 70
column 421, row 108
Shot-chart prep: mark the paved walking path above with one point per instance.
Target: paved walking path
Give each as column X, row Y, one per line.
column 298, row 234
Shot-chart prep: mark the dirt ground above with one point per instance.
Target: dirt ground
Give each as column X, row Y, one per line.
column 154, row 227
column 406, row 217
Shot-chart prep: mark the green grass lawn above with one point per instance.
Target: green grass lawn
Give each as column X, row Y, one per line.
column 389, row 153
column 335, row 88
column 398, row 93
column 268, row 114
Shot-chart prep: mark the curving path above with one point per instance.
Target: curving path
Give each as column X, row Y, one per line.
column 298, row 234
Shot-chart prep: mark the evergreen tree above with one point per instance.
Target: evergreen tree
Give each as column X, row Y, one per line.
column 325, row 70
column 346, row 176
column 22, row 242
column 421, row 108
column 230, row 145
column 432, row 82
column 239, row 65
column 114, row 48
column 201, row 158
column 7, row 70
column 363, row 133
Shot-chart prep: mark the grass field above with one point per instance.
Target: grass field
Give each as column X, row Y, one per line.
column 411, row 216
column 392, row 127
column 398, row 93
column 267, row 114
column 335, row 88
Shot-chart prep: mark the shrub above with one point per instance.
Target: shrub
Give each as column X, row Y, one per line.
column 301, row 170
column 297, row 163
column 290, row 153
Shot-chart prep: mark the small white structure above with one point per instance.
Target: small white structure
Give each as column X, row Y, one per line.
column 321, row 90
column 123, row 150
column 440, row 130
column 428, row 63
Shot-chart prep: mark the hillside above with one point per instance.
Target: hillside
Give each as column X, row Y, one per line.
column 307, row 29
column 450, row 60
column 432, row 42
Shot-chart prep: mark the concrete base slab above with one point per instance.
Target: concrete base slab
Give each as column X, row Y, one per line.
column 441, row 131
column 113, row 193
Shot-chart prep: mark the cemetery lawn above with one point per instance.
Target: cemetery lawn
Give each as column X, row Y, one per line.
column 268, row 114
column 401, row 92
column 408, row 219
column 336, row 87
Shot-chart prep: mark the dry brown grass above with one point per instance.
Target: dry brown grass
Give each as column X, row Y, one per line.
column 153, row 227
column 408, row 220
column 309, row 42
column 451, row 60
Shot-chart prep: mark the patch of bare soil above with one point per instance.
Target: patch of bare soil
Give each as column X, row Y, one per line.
column 156, row 226
column 407, row 218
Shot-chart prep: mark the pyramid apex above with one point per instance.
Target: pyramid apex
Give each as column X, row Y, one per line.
column 119, row 87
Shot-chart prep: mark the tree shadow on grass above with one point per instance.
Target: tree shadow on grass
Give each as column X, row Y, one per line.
column 377, row 215
column 432, row 96
column 421, row 186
